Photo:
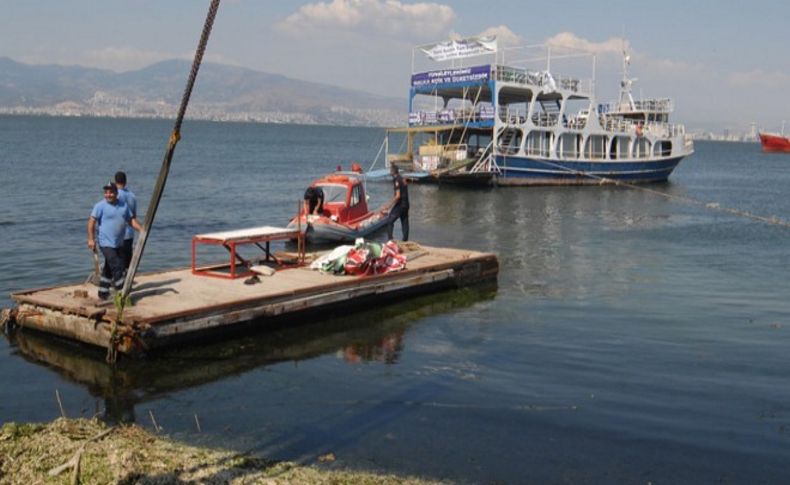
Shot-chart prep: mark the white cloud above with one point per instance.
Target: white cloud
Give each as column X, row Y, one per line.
column 391, row 17
column 505, row 37
column 609, row 57
column 759, row 79
column 570, row 40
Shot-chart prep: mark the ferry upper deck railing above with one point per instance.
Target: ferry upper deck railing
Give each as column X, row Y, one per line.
column 528, row 77
column 545, row 120
column 479, row 114
column 665, row 105
column 621, row 125
column 511, row 115
column 575, row 122
column 666, row 129
column 518, row 116
column 659, row 105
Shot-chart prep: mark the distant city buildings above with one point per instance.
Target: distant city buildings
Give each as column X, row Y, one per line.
column 726, row 135
column 103, row 104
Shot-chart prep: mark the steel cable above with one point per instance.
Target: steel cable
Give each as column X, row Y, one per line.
column 166, row 162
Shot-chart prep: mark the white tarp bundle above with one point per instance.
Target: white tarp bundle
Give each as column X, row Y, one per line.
column 457, row 49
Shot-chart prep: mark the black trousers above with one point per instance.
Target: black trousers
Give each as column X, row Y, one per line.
column 126, row 252
column 401, row 213
column 112, row 272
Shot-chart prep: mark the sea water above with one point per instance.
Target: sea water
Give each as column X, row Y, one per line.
column 633, row 337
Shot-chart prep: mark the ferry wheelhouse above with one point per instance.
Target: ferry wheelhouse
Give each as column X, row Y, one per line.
column 501, row 122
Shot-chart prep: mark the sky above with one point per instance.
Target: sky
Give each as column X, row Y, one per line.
column 725, row 63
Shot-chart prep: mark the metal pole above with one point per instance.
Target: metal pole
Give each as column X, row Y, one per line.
column 171, row 146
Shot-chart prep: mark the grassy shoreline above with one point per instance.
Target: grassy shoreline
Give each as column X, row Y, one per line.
column 46, row 453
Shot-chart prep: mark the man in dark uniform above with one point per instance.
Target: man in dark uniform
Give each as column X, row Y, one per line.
column 400, row 204
column 314, row 201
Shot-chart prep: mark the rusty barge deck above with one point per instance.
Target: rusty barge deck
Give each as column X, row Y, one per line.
column 171, row 307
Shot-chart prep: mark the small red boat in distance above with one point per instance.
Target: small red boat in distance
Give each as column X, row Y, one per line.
column 345, row 215
column 774, row 143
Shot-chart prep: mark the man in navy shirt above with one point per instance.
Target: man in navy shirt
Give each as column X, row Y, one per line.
column 400, row 204
column 111, row 217
column 127, row 197
column 314, row 201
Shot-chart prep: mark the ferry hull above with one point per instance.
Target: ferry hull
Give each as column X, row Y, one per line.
column 775, row 143
column 535, row 171
column 475, row 179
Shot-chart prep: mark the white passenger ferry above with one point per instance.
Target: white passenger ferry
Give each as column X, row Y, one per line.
column 501, row 122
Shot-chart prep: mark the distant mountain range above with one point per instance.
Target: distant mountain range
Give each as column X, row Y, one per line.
column 222, row 92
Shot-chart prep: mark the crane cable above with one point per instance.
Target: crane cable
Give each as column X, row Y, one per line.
column 122, row 298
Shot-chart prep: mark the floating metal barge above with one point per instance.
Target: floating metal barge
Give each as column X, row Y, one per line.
column 171, row 307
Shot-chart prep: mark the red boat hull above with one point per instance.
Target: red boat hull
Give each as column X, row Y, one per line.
column 775, row 143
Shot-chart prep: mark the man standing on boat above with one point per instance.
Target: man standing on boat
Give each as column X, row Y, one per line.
column 127, row 197
column 112, row 217
column 400, row 204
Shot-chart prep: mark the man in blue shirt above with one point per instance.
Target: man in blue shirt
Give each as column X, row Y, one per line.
column 111, row 217
column 127, row 197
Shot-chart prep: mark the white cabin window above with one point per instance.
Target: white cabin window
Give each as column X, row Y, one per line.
column 621, row 147
column 595, row 147
column 539, row 143
column 569, row 145
column 641, row 148
column 663, row 148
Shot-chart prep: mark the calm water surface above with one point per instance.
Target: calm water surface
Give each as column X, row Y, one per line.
column 631, row 339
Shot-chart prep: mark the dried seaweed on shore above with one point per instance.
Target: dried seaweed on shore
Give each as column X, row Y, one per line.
column 87, row 451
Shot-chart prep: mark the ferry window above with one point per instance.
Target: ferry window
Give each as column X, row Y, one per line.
column 538, row 143
column 641, row 148
column 569, row 145
column 595, row 147
column 619, row 148
column 663, row 148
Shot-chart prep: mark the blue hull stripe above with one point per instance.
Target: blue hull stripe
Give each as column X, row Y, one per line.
column 537, row 169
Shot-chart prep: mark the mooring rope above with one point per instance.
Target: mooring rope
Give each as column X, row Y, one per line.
column 123, row 297
column 773, row 220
